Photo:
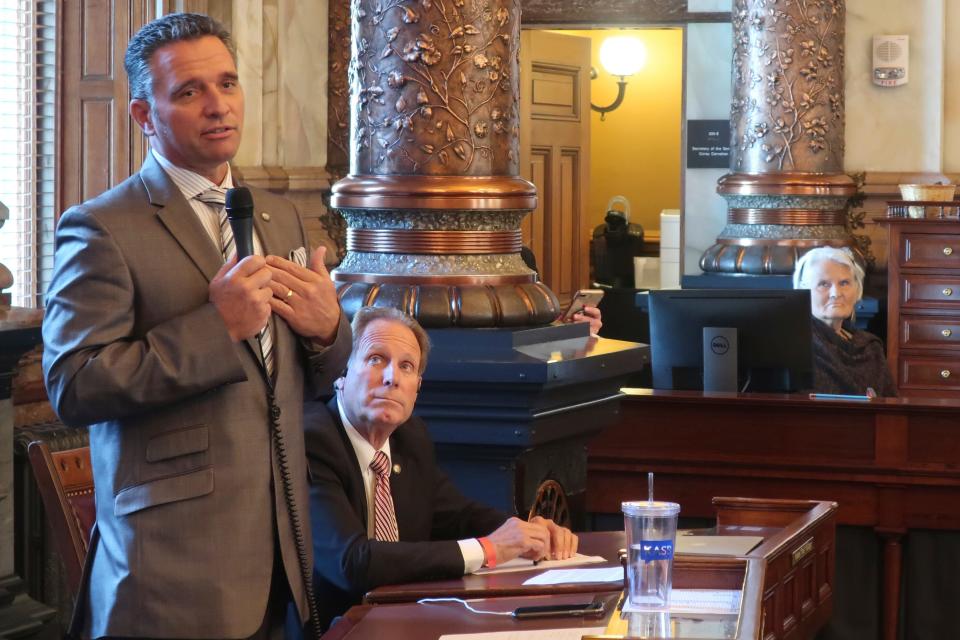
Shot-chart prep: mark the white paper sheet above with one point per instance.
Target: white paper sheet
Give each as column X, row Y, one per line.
column 699, row 601
column 520, row 564
column 577, row 576
column 536, row 634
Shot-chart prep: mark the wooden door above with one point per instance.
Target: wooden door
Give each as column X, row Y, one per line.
column 555, row 155
column 99, row 144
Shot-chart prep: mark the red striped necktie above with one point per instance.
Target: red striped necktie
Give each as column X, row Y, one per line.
column 385, row 520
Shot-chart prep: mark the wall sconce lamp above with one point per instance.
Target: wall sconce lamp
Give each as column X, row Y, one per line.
column 620, row 56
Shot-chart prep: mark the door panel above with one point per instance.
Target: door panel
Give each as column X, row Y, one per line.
column 554, row 142
column 538, row 172
column 99, row 146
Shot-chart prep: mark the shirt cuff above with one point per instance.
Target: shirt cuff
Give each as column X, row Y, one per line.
column 472, row 555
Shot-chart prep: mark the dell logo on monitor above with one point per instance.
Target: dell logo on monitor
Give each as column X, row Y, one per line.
column 719, row 345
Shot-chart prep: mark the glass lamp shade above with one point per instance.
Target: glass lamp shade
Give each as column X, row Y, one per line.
column 622, row 55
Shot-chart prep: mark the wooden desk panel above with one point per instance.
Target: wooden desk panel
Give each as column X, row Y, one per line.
column 787, row 579
column 890, row 464
column 410, row 621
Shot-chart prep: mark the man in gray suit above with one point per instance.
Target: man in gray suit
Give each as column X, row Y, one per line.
column 154, row 340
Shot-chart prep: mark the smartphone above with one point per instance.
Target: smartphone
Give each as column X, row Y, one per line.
column 583, row 297
column 595, row 608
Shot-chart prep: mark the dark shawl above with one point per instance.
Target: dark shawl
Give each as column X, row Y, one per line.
column 849, row 366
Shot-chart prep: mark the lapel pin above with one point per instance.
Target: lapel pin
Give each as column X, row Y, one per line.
column 396, row 468
column 265, row 216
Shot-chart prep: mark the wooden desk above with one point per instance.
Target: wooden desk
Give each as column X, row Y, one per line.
column 411, row 621
column 408, row 620
column 891, row 464
column 786, row 581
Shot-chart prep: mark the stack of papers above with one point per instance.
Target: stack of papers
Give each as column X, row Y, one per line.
column 577, row 576
column 519, row 564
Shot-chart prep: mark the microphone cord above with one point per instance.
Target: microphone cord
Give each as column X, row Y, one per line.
column 286, row 482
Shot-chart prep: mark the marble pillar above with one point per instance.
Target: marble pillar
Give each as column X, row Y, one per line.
column 786, row 191
column 20, row 615
column 6, row 277
column 433, row 202
column 282, row 60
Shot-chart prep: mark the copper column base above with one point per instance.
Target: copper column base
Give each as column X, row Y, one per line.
column 444, row 249
column 773, row 219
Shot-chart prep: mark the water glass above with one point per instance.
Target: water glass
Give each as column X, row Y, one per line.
column 651, row 529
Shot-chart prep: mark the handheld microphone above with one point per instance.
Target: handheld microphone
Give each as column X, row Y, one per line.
column 239, row 206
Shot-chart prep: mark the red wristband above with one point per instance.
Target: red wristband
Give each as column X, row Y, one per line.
column 489, row 553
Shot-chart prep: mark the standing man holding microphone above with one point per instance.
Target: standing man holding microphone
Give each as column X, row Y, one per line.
column 189, row 365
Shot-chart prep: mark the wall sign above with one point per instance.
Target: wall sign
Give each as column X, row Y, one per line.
column 708, row 144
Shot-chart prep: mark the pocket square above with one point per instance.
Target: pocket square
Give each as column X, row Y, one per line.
column 299, row 256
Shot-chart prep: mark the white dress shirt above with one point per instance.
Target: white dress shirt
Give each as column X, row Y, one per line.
column 470, row 548
column 193, row 184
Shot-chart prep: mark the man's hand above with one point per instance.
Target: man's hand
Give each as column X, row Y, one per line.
column 591, row 315
column 241, row 294
column 518, row 538
column 563, row 542
column 305, row 298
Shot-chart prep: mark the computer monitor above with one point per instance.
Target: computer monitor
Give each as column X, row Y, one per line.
column 747, row 339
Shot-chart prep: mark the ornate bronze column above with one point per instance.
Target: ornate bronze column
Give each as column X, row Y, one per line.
column 786, row 190
column 433, row 202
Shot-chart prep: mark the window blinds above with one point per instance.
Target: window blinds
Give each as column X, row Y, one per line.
column 27, row 144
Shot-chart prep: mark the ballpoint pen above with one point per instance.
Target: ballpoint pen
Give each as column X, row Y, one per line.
column 839, row 396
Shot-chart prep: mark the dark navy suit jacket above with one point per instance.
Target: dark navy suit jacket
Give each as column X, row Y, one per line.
column 431, row 514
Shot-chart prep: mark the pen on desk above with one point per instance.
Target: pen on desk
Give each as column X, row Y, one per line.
column 838, row 396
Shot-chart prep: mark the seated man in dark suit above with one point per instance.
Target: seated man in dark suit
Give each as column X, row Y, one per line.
column 381, row 509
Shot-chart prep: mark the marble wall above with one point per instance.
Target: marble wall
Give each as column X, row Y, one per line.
column 285, row 79
column 282, row 60
column 897, row 128
column 6, row 486
column 694, row 6
column 708, row 89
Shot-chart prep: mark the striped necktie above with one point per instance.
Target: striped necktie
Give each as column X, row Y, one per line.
column 385, row 519
column 216, row 197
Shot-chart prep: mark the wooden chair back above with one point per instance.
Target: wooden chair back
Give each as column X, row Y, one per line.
column 551, row 502
column 65, row 481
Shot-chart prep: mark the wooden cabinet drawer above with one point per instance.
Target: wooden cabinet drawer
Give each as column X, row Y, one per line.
column 924, row 372
column 930, row 291
column 930, row 250
column 926, row 332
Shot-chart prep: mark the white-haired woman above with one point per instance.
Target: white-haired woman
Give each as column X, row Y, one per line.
column 845, row 359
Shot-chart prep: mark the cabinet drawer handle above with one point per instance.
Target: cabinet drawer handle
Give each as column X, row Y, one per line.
column 948, row 251
column 945, row 374
column 946, row 333
column 948, row 292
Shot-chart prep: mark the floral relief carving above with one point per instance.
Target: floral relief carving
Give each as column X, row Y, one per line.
column 787, row 112
column 435, row 86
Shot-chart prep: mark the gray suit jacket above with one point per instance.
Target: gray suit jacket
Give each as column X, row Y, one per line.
column 188, row 488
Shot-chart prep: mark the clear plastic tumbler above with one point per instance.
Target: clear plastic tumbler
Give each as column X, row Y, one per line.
column 649, row 624
column 651, row 529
